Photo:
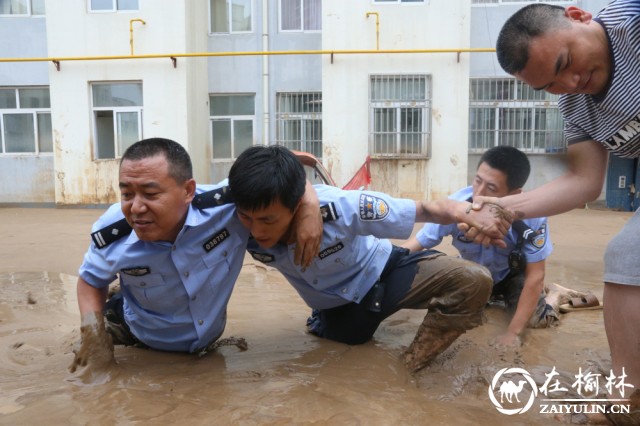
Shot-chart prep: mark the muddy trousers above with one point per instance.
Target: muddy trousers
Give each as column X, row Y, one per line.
column 453, row 290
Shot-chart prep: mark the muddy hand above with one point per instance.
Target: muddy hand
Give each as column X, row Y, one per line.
column 486, row 226
column 95, row 348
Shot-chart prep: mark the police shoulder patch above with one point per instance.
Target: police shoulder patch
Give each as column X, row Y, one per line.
column 372, row 207
column 540, row 237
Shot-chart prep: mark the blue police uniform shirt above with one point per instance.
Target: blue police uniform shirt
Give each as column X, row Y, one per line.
column 175, row 294
column 495, row 259
column 351, row 259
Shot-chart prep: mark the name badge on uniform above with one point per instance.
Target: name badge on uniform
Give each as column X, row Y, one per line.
column 215, row 240
column 330, row 250
column 373, row 208
column 137, row 271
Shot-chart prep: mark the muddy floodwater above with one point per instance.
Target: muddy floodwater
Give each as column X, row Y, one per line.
column 286, row 376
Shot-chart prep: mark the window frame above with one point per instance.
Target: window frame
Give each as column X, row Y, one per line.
column 424, row 105
column 518, row 98
column 28, row 14
column 304, row 118
column 232, row 119
column 229, row 19
column 302, row 29
column 114, row 8
column 18, row 110
column 116, row 110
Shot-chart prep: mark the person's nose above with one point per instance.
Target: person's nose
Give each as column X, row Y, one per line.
column 570, row 81
column 137, row 205
column 258, row 229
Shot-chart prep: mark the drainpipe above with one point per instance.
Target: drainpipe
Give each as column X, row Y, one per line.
column 265, row 72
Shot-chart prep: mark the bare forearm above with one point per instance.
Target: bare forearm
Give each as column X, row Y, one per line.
column 533, row 284
column 587, row 163
column 442, row 212
column 90, row 299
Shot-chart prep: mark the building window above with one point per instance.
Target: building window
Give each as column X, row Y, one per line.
column 518, row 1
column 400, row 111
column 112, row 5
column 232, row 118
column 299, row 121
column 230, row 16
column 509, row 112
column 25, row 121
column 398, row 1
column 117, row 117
column 22, row 7
column 300, row 15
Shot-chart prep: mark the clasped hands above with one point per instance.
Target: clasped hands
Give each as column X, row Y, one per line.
column 485, row 222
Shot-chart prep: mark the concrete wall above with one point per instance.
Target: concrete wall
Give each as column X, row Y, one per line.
column 345, row 82
column 263, row 76
column 26, row 178
column 174, row 99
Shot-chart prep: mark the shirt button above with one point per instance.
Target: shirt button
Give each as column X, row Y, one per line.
column 224, row 253
column 194, row 297
column 186, row 274
column 143, row 284
column 315, row 281
column 173, row 248
column 200, row 322
column 344, row 290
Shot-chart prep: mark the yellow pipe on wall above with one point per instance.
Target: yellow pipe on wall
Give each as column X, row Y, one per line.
column 257, row 53
column 377, row 28
column 131, row 31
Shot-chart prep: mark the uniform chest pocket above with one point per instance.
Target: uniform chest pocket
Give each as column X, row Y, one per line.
column 334, row 253
column 221, row 247
column 150, row 292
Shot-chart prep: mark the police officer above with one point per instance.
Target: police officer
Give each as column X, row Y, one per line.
column 358, row 279
column 518, row 269
column 176, row 269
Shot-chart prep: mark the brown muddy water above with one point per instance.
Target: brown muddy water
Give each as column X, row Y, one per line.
column 286, row 376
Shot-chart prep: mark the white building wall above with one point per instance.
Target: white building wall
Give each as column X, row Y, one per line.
column 345, row 83
column 175, row 99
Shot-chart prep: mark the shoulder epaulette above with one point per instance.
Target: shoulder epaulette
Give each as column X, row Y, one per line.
column 111, row 233
column 328, row 212
column 213, row 198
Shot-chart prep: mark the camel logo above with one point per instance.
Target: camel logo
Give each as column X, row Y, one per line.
column 509, row 390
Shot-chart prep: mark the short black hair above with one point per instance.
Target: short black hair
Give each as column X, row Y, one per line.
column 512, row 46
column 180, row 168
column 263, row 174
column 510, row 161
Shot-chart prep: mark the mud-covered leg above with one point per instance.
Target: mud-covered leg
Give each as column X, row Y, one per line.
column 455, row 292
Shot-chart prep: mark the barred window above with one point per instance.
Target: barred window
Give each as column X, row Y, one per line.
column 509, row 112
column 232, row 118
column 25, row 120
column 299, row 121
column 400, row 116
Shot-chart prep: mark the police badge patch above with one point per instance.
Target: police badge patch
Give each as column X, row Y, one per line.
column 373, row 208
column 540, row 237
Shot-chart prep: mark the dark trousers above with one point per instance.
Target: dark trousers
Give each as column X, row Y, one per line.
column 421, row 280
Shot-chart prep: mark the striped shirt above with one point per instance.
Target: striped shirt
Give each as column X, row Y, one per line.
column 612, row 119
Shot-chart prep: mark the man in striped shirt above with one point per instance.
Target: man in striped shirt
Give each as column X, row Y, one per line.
column 594, row 63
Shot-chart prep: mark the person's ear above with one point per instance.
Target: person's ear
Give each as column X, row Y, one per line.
column 576, row 14
column 190, row 190
column 515, row 191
